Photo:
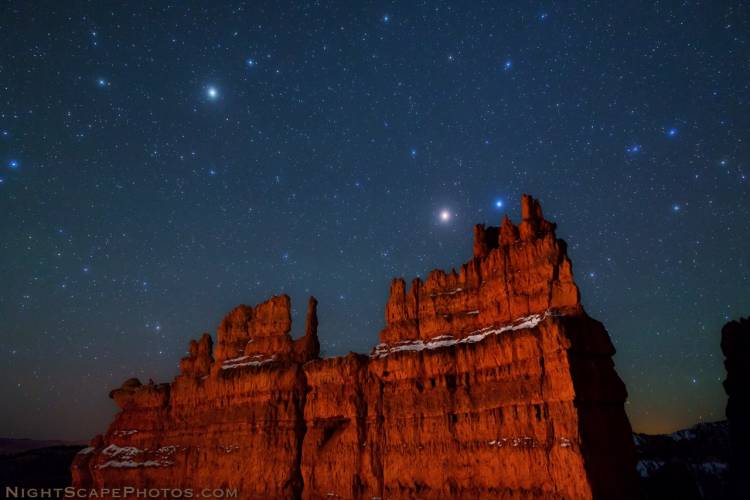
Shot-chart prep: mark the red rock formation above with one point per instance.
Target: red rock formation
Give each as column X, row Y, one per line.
column 488, row 382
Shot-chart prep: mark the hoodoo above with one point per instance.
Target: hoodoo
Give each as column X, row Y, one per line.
column 488, row 382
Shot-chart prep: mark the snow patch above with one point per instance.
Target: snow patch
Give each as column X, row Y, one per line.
column 86, row 450
column 129, row 464
column 713, row 468
column 121, row 451
column 683, row 435
column 255, row 360
column 647, row 467
column 123, row 457
column 449, row 292
column 383, row 350
column 125, row 432
column 515, row 442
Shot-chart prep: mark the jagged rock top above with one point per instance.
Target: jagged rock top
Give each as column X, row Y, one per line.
column 516, row 272
column 517, row 276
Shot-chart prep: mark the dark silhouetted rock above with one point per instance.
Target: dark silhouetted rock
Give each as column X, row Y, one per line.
column 691, row 463
column 735, row 344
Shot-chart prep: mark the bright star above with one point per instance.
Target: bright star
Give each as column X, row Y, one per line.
column 413, row 153
column 386, row 18
column 212, row 93
column 499, row 204
column 101, row 82
column 676, row 207
column 672, row 132
column 250, row 62
column 635, row 148
column 543, row 16
column 13, row 164
column 445, row 215
column 507, row 65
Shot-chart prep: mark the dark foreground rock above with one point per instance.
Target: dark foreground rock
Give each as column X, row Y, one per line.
column 688, row 464
column 47, row 467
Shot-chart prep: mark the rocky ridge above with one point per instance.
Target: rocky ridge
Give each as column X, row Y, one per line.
column 489, row 381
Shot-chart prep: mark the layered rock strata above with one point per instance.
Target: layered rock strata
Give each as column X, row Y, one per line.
column 488, row 382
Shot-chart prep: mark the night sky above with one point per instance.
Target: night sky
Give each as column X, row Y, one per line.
column 164, row 162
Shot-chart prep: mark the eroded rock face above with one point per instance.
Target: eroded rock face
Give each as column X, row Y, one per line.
column 516, row 272
column 488, row 382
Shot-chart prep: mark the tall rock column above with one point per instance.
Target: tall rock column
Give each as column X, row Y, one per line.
column 735, row 344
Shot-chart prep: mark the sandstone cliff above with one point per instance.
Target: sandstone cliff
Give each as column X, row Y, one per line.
column 489, row 382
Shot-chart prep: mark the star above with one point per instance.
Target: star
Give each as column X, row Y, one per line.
column 250, row 62
column 13, row 164
column 413, row 152
column 672, row 132
column 2, row 181
column 445, row 215
column 507, row 65
column 635, row 148
column 386, row 18
column 102, row 82
column 212, row 93
column 498, row 203
column 676, row 207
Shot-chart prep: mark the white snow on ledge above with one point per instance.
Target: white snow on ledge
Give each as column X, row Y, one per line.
column 255, row 360
column 125, row 432
column 129, row 464
column 123, row 457
column 121, row 451
column 383, row 350
column 449, row 292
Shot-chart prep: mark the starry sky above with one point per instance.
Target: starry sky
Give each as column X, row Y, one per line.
column 162, row 162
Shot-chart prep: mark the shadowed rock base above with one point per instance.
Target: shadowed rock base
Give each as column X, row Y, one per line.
column 489, row 382
column 735, row 344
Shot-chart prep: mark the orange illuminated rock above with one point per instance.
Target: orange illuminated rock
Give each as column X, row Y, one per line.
column 487, row 382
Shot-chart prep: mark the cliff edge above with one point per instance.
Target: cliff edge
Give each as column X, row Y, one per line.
column 489, row 381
